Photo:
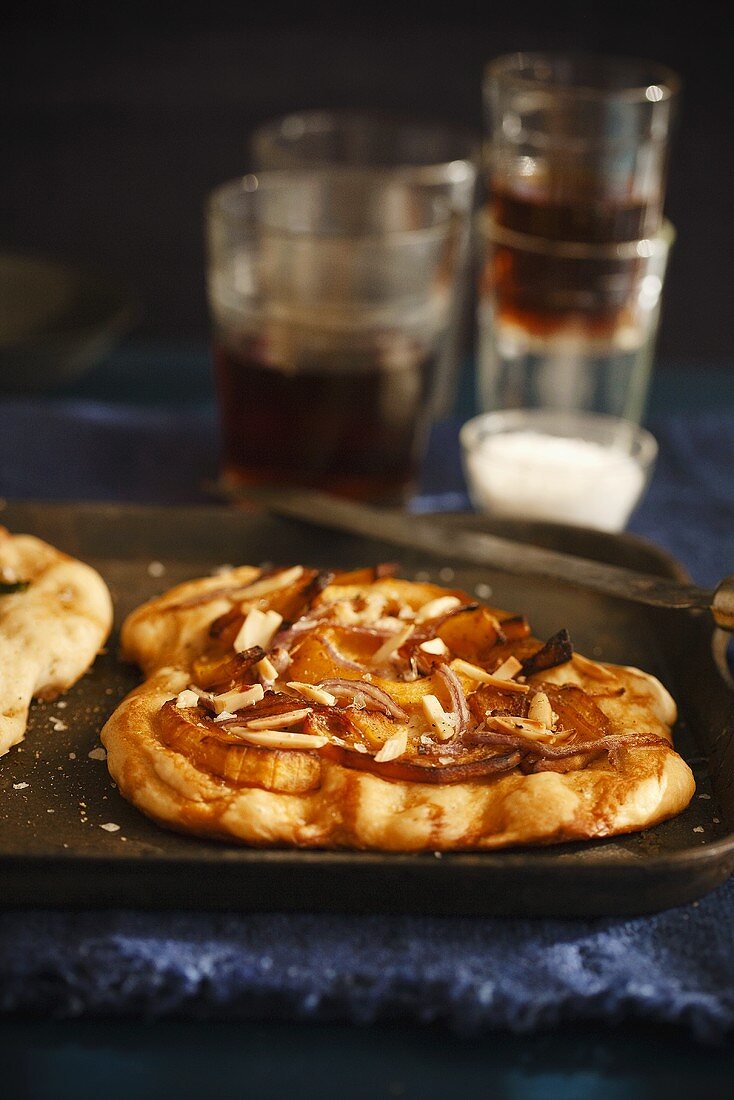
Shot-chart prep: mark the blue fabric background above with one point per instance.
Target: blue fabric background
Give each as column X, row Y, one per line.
column 677, row 966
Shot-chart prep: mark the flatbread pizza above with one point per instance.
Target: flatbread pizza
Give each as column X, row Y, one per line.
column 359, row 710
column 55, row 614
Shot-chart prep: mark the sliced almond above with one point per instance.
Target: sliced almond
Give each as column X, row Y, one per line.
column 259, row 628
column 266, row 669
column 272, row 583
column 391, row 645
column 436, row 646
column 434, row 608
column 508, row 670
column 591, row 668
column 540, row 710
column 281, row 739
column 394, row 746
column 310, row 691
column 279, row 721
column 473, row 672
column 236, row 700
column 527, row 726
column 187, row 698
column 225, row 716
column 359, row 747
column 443, row 724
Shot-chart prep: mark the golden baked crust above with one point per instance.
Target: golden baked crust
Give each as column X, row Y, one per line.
column 510, row 752
column 55, row 614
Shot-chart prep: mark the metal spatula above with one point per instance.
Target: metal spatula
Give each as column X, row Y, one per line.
column 457, row 543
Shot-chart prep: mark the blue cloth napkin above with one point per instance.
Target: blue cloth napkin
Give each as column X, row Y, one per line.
column 677, row 966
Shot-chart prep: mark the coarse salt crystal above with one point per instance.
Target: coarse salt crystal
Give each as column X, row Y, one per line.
column 20, row 786
column 110, row 827
column 97, row 754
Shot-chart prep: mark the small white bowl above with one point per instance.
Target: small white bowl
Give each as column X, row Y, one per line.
column 581, row 468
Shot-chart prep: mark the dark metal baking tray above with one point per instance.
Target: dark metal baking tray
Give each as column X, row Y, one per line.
column 54, row 798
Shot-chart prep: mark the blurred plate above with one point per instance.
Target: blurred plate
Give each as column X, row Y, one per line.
column 56, row 322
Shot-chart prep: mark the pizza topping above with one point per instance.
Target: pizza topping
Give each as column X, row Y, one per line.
column 357, row 723
column 514, row 628
column 258, row 629
column 439, row 606
column 219, row 752
column 530, row 727
column 279, row 739
column 408, row 771
column 279, row 721
column 187, row 698
column 577, row 754
column 223, row 673
column 443, row 724
column 558, row 650
column 474, row 672
column 266, row 670
column 542, row 711
column 458, row 698
column 336, row 655
column 370, row 694
column 435, row 646
column 388, row 649
column 508, row 669
column 205, row 698
column 272, row 582
column 394, row 746
column 236, row 700
column 311, row 691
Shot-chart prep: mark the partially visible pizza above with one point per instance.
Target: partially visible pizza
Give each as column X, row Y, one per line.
column 359, row 710
column 55, row 615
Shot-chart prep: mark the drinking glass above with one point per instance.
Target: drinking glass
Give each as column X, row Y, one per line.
column 568, row 325
column 331, row 297
column 369, row 140
column 575, row 235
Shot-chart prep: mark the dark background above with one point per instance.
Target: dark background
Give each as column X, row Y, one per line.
column 116, row 120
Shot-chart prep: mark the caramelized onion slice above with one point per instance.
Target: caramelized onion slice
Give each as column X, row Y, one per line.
column 543, row 750
column 375, row 697
column 404, row 771
column 458, row 698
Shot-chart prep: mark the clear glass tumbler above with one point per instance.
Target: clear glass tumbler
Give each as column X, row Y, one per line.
column 566, row 325
column 577, row 145
column 367, row 140
column 331, row 295
column 576, row 243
